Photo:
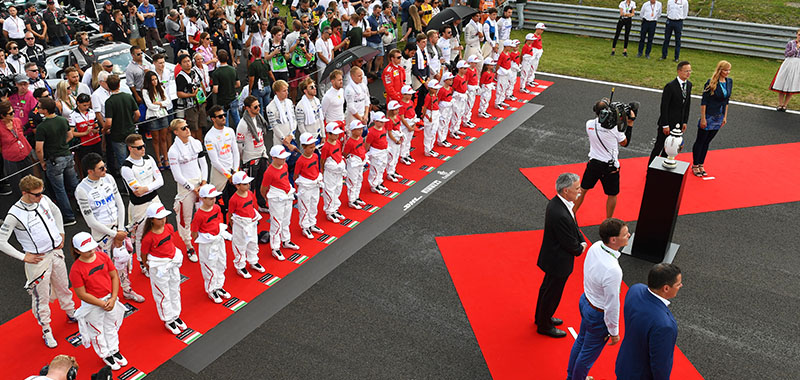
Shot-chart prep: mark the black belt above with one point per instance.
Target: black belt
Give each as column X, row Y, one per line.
column 672, row 19
column 594, row 307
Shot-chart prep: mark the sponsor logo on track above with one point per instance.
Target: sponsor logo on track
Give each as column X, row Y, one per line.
column 269, row 279
column 298, row 258
column 370, row 208
column 129, row 309
column 483, row 130
column 75, row 339
column 189, row 335
column 471, row 138
column 426, row 168
column 234, row 304
column 131, row 373
column 390, row 194
column 444, row 158
column 327, row 239
column 349, row 223
column 407, row 182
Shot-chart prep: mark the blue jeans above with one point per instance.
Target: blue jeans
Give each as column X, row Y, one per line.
column 61, row 171
column 648, row 32
column 590, row 341
column 120, row 152
column 58, row 41
column 264, row 96
column 232, row 116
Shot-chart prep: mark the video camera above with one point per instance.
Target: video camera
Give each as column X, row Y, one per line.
column 616, row 114
column 8, row 86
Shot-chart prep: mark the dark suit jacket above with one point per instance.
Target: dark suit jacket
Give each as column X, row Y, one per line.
column 674, row 107
column 561, row 242
column 650, row 334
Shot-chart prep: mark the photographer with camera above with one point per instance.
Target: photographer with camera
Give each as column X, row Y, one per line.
column 610, row 129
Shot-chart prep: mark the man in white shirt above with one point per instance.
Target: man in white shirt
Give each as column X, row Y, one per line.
column 604, row 142
column 473, row 34
column 677, row 11
column 324, row 47
column 143, row 178
column 14, row 27
column 357, row 98
column 504, row 24
column 250, row 141
column 651, row 12
column 187, row 161
column 223, row 154
column 490, row 35
column 333, row 101
column 99, row 97
column 599, row 304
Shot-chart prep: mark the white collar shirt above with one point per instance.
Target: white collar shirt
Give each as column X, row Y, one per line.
column 662, row 299
column 603, row 143
column 602, row 278
column 569, row 205
column 677, row 9
column 651, row 12
column 627, row 8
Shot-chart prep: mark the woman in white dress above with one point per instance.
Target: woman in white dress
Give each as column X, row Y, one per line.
column 787, row 80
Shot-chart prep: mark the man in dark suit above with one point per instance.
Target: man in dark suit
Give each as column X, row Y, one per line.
column 561, row 243
column 650, row 329
column 675, row 101
column 420, row 72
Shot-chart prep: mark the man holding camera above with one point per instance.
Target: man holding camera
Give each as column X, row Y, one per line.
column 604, row 141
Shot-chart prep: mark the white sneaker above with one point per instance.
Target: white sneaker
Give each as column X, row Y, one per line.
column 485, row 115
column 120, row 359
column 338, row 215
column 224, row 293
column 525, row 91
column 173, row 328
column 504, row 104
column 359, row 201
column 500, row 107
column 352, row 205
column 372, row 189
column 405, row 160
column 383, row 188
column 112, row 363
column 256, row 267
column 512, row 97
column 215, row 297
column 392, row 178
column 469, row 124
column 244, row 273
column 181, row 326
column 461, row 133
column 411, row 159
column 133, row 296
column 49, row 339
column 453, row 135
column 276, row 253
column 307, row 233
column 333, row 217
column 398, row 175
column 445, row 144
column 191, row 255
column 145, row 272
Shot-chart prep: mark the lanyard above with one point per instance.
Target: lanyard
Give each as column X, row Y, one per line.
column 603, row 246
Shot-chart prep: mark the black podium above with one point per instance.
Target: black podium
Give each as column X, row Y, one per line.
column 661, row 200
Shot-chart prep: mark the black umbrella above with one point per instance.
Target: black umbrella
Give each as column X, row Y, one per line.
column 343, row 60
column 447, row 16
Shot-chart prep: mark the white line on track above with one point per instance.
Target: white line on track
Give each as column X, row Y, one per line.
column 763, row 107
column 572, row 331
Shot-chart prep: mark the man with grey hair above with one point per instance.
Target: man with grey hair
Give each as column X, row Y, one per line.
column 561, row 243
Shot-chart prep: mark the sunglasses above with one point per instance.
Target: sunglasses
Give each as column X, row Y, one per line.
column 312, row 87
column 13, row 48
column 256, row 106
column 185, row 127
column 34, row 70
column 29, row 38
column 138, row 147
column 39, row 194
column 138, row 54
column 102, row 168
column 220, row 116
column 9, row 113
column 108, row 66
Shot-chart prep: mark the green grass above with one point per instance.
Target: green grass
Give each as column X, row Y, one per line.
column 588, row 57
column 775, row 12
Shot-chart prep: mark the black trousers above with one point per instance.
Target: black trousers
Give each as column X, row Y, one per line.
column 700, row 147
column 673, row 26
column 649, row 31
column 421, row 94
column 549, row 297
column 256, row 169
column 658, row 147
column 626, row 23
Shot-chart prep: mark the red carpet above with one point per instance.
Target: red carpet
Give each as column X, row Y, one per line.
column 499, row 297
column 743, row 177
column 144, row 340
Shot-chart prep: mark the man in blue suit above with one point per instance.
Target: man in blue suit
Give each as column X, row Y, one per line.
column 650, row 329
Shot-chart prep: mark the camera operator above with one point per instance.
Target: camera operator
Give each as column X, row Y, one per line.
column 605, row 138
column 62, row 367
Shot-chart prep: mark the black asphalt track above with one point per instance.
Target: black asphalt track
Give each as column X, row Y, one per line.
column 391, row 311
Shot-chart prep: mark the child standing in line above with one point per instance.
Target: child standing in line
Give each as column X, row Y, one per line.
column 537, row 52
column 527, row 73
column 395, row 139
column 354, row 154
column 473, row 79
column 333, row 170
column 279, row 193
column 459, row 99
column 163, row 261
column 376, row 149
column 430, row 112
column 208, row 232
column 308, row 179
column 96, row 283
column 242, row 214
column 123, row 261
column 446, row 109
column 409, row 118
column 503, row 75
column 512, row 79
column 487, row 86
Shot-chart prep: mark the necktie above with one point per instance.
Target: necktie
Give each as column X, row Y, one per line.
column 683, row 89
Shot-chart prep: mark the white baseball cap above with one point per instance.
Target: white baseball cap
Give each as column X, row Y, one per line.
column 489, row 61
column 516, row 42
column 473, row 59
column 530, row 36
column 84, row 242
column 393, row 105
column 541, row 26
column 278, row 151
column 240, row 178
column 462, row 64
column 157, row 210
column 407, row 90
column 379, row 116
column 355, row 124
column 509, row 43
column 434, row 84
column 333, row 127
column 209, row 191
column 307, row 139
column 447, row 75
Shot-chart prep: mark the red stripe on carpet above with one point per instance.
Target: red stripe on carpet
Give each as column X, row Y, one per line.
column 499, row 296
column 743, row 177
column 145, row 341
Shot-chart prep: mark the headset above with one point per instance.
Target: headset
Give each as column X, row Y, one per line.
column 72, row 374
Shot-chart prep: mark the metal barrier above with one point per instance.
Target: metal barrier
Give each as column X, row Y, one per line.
column 756, row 40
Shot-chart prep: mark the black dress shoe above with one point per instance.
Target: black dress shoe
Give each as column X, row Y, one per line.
column 556, row 321
column 552, row 332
